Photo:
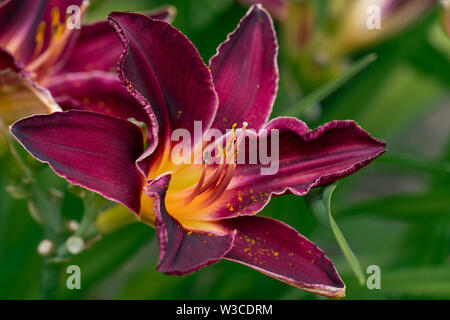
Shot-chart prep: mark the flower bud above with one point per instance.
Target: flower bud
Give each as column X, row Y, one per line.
column 46, row 248
column 75, row 245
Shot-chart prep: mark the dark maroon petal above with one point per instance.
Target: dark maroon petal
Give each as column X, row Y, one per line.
column 277, row 8
column 163, row 67
column 93, row 150
column 7, row 61
column 245, row 72
column 307, row 159
column 95, row 91
column 101, row 92
column 19, row 24
column 279, row 251
column 86, row 56
column 183, row 251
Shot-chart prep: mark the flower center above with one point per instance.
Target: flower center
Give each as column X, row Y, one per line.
column 194, row 188
column 60, row 35
column 215, row 183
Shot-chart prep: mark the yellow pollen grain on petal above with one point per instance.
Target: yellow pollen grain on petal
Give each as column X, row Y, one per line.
column 86, row 100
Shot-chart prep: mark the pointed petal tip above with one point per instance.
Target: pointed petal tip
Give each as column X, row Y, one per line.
column 155, row 56
column 279, row 251
column 277, row 8
column 85, row 148
column 183, row 251
column 327, row 291
column 245, row 71
column 260, row 8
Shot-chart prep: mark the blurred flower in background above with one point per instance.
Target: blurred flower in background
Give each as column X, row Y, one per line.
column 446, row 15
column 357, row 28
column 47, row 64
column 320, row 35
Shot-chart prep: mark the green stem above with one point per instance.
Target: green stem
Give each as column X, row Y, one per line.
column 49, row 213
column 25, row 170
column 53, row 229
column 87, row 229
column 415, row 162
column 50, row 280
column 324, row 91
column 91, row 208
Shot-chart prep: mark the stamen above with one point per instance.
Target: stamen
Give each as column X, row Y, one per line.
column 217, row 182
column 57, row 28
column 60, row 35
column 200, row 182
column 40, row 34
column 212, row 180
column 221, row 186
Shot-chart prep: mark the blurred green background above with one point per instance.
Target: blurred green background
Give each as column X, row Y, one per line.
column 395, row 213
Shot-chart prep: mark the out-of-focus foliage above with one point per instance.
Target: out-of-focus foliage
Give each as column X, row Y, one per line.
column 394, row 213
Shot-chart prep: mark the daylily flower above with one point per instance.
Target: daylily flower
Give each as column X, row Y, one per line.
column 203, row 212
column 47, row 64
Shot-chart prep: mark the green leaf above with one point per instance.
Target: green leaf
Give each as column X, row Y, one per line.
column 438, row 178
column 419, row 282
column 319, row 200
column 415, row 208
column 430, row 61
column 324, row 91
column 416, row 163
column 107, row 255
